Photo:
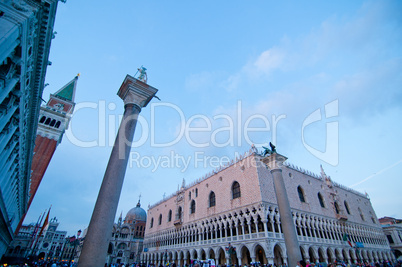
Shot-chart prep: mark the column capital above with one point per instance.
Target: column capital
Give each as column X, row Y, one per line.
column 274, row 161
column 136, row 92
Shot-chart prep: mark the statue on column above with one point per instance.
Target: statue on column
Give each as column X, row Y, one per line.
column 143, row 74
column 268, row 151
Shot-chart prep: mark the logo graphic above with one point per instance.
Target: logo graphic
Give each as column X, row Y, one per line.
column 331, row 153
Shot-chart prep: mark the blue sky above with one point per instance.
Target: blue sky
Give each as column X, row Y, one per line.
column 320, row 79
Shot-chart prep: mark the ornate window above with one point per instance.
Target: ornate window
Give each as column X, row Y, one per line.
column 170, row 215
column 160, row 219
column 236, row 190
column 212, row 199
column 152, row 223
column 321, row 200
column 192, row 207
column 179, row 212
column 42, row 120
column 57, row 124
column 196, row 192
column 189, row 195
column 346, row 207
column 336, row 207
column 301, row 194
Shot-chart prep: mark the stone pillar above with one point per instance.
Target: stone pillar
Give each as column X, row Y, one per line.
column 265, row 221
column 135, row 94
column 274, row 163
column 249, row 227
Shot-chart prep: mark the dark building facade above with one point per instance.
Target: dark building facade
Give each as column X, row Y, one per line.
column 26, row 31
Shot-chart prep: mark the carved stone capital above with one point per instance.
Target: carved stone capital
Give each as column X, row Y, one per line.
column 274, row 161
column 133, row 91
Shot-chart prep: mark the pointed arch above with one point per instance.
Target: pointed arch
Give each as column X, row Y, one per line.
column 336, row 206
column 300, row 192
column 212, row 200
column 192, row 206
column 321, row 200
column 236, row 190
column 169, row 215
column 346, row 207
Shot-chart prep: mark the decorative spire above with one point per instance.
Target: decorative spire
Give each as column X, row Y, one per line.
column 323, row 175
column 326, row 178
column 67, row 92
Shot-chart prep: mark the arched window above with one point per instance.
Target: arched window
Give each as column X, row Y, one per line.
column 189, row 195
column 192, row 207
column 321, row 200
column 47, row 121
column 160, row 219
column 57, row 124
column 196, row 192
column 236, row 190
column 170, row 215
column 42, row 120
column 346, row 207
column 336, row 207
column 152, row 223
column 212, row 199
column 52, row 123
column 301, row 194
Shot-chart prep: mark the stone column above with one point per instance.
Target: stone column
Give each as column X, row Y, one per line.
column 135, row 94
column 265, row 221
column 274, row 163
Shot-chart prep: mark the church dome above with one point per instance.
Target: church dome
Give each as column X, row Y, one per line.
column 136, row 214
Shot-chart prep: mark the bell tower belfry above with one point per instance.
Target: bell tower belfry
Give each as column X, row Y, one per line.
column 54, row 118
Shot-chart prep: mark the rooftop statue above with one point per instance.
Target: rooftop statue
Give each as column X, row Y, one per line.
column 268, row 151
column 143, row 74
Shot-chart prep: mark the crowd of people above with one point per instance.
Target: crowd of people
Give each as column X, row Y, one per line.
column 303, row 263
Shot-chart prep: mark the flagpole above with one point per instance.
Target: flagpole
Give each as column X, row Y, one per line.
column 45, row 223
column 32, row 236
column 34, row 240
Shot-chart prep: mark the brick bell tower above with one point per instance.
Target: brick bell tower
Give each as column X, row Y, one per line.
column 54, row 118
